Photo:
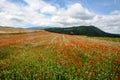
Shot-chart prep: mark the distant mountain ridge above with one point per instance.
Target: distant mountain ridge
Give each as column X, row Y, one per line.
column 82, row 30
column 37, row 28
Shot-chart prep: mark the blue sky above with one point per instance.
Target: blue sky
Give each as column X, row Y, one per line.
column 97, row 6
column 61, row 13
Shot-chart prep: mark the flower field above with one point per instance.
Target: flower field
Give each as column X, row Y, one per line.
column 51, row 56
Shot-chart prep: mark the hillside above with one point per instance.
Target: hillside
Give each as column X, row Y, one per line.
column 13, row 30
column 82, row 30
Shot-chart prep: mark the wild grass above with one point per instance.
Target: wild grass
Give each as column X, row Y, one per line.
column 60, row 57
column 107, row 39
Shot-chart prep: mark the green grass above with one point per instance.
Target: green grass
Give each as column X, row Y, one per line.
column 26, row 63
column 79, row 59
column 107, row 39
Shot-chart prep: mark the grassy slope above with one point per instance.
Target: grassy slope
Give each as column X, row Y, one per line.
column 13, row 30
column 107, row 39
column 51, row 56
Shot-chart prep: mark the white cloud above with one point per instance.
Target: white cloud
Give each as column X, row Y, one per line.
column 108, row 23
column 77, row 11
column 74, row 15
column 49, row 9
column 40, row 13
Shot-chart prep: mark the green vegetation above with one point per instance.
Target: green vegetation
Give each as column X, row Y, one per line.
column 107, row 39
column 82, row 30
column 35, row 64
column 50, row 56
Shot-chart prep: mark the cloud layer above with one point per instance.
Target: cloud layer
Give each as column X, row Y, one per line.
column 41, row 13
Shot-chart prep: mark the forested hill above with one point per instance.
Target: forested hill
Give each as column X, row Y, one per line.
column 82, row 30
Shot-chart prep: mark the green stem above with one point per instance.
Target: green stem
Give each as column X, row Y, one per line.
column 116, row 72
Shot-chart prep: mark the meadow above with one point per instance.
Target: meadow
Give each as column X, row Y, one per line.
column 51, row 56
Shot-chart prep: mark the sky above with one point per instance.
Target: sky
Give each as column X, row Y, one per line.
column 104, row 14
